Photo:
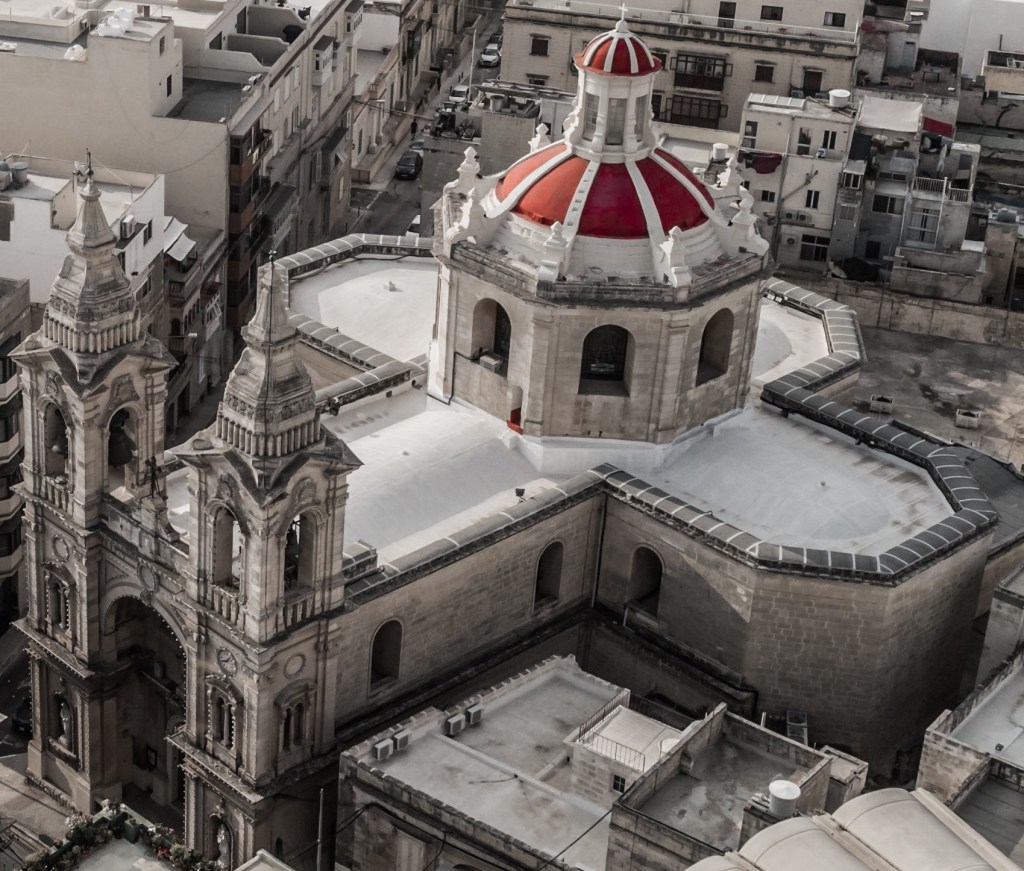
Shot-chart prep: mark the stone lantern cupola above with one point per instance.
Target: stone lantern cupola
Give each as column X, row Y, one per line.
column 596, row 287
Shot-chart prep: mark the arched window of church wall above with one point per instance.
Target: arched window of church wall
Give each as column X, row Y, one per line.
column 549, row 575
column 386, row 654
column 122, row 446
column 715, row 347
column 606, row 361
column 645, row 575
column 492, row 330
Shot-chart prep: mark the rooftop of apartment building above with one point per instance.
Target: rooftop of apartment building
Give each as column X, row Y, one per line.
column 509, row 769
column 934, row 74
column 56, row 181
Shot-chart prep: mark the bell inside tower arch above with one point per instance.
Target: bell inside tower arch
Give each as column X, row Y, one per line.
column 56, row 442
column 298, row 553
column 120, row 448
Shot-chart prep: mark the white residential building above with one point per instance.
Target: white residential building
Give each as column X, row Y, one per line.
column 713, row 53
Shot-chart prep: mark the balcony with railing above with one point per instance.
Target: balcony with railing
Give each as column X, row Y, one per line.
column 1004, row 72
column 939, row 189
column 226, row 603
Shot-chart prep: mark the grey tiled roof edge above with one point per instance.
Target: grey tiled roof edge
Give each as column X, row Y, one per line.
column 476, row 536
column 796, row 392
column 328, row 339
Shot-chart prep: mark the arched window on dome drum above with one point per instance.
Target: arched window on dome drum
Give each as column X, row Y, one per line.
column 616, row 121
column 715, row 347
column 386, row 654
column 641, row 115
column 645, row 581
column 607, row 358
column 492, row 330
column 549, row 575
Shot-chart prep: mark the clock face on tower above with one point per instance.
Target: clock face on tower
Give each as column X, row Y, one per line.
column 226, row 661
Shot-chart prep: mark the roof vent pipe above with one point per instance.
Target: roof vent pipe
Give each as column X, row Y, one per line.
column 782, row 798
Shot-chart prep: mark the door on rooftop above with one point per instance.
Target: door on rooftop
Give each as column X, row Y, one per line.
column 812, row 82
column 726, row 14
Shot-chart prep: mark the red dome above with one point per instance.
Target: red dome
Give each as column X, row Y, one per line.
column 546, row 184
column 618, row 53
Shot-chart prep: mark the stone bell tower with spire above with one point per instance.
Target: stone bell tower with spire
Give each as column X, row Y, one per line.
column 94, row 385
column 267, row 490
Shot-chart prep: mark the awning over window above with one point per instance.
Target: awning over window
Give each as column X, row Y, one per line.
column 177, row 244
column 940, row 127
column 896, row 116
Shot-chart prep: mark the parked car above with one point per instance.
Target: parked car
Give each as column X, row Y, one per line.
column 459, row 95
column 490, row 57
column 496, row 38
column 416, row 145
column 409, row 165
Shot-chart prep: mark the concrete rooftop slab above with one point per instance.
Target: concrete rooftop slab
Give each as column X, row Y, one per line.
column 998, row 720
column 996, row 811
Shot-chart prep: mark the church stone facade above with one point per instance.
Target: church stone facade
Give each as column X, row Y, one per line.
column 222, row 669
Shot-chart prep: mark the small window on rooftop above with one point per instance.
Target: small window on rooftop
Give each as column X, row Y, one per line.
column 163, row 44
column 771, row 13
column 618, row 783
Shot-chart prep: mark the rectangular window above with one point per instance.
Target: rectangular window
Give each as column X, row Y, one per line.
column 661, row 55
column 695, row 111
column 147, row 232
column 163, row 44
column 771, row 13
column 812, row 82
column 923, row 226
column 887, row 205
column 640, row 115
column 835, row 19
column 814, row 248
column 749, row 135
column 873, row 251
column 828, row 139
column 803, row 141
column 726, row 14
column 217, row 42
column 811, row 199
column 767, row 196
column 537, row 81
column 700, row 71
column 618, row 783
column 277, row 99
column 847, row 212
column 170, row 86
column 539, row 46
column 590, row 104
column 616, row 121
column 764, row 72
column 656, row 100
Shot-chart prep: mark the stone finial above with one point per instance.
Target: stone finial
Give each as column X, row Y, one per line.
column 469, row 172
column 540, row 138
column 552, row 258
column 471, row 218
column 745, row 222
column 674, row 265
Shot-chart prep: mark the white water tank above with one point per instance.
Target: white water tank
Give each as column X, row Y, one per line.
column 839, row 98
column 719, row 152
column 782, row 798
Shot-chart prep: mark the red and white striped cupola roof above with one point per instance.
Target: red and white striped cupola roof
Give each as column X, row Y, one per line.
column 618, row 52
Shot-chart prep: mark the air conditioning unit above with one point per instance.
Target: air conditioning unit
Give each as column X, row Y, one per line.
column 474, row 714
column 127, row 226
column 769, row 220
column 791, row 240
column 383, row 749
column 492, row 362
column 454, row 725
column 796, row 92
column 821, row 152
column 803, row 216
column 401, row 740
column 789, row 216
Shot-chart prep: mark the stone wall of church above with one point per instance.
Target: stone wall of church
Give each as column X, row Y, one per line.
column 658, row 397
column 871, row 665
column 465, row 608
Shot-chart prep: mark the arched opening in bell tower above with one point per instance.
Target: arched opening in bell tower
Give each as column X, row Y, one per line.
column 299, row 551
column 55, row 442
column 150, row 701
column 228, row 541
column 121, row 444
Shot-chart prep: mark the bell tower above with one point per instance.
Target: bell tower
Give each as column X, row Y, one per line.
column 267, row 491
column 94, row 386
